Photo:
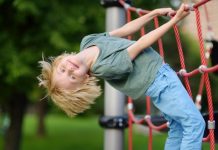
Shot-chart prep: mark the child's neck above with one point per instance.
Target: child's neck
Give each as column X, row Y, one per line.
column 89, row 55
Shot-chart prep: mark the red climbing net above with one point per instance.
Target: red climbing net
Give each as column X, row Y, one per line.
column 203, row 69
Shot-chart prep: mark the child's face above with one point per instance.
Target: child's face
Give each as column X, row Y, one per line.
column 70, row 72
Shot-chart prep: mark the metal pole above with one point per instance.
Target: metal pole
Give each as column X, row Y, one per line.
column 114, row 100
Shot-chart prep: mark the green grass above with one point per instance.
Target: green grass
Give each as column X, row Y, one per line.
column 64, row 133
column 79, row 133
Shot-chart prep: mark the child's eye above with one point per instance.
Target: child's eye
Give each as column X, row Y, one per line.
column 62, row 70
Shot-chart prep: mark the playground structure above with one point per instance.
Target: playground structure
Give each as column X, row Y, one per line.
column 114, row 122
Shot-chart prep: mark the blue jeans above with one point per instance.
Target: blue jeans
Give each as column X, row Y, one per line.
column 186, row 123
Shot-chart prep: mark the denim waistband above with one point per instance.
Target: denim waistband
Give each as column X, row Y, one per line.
column 164, row 67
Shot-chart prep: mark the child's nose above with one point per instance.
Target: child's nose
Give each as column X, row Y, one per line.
column 70, row 70
column 69, row 67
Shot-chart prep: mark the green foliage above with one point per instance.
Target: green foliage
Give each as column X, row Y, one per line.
column 30, row 28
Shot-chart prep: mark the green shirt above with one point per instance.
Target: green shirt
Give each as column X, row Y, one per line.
column 115, row 66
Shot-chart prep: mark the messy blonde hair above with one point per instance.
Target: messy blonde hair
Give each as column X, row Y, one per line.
column 71, row 102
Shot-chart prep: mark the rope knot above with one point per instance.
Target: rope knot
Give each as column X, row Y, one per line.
column 168, row 124
column 191, row 7
column 201, row 68
column 182, row 72
column 198, row 98
column 198, row 101
column 130, row 106
column 147, row 117
column 209, row 35
column 138, row 10
column 208, row 45
column 211, row 124
column 126, row 6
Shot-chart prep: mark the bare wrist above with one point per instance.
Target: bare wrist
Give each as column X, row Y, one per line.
column 174, row 20
column 156, row 12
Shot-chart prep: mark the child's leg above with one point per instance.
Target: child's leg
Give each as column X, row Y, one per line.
column 174, row 139
column 169, row 95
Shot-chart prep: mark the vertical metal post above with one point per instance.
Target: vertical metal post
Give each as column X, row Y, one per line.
column 114, row 106
column 114, row 100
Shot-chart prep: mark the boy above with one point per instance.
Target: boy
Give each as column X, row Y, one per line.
column 132, row 67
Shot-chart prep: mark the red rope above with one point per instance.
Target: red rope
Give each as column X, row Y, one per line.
column 200, row 3
column 182, row 60
column 128, row 14
column 201, row 85
column 130, row 122
column 148, row 112
column 160, row 43
column 206, row 78
column 206, row 139
column 202, row 69
column 146, row 119
column 198, row 70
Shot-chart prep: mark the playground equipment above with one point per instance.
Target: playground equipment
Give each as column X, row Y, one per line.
column 113, row 137
column 114, row 120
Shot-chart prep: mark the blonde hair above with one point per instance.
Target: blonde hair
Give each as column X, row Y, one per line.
column 71, row 102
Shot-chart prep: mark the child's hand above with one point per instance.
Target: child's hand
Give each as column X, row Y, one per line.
column 182, row 12
column 165, row 12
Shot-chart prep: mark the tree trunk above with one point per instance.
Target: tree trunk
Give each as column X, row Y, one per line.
column 41, row 112
column 16, row 109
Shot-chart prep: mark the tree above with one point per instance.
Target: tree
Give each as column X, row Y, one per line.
column 28, row 29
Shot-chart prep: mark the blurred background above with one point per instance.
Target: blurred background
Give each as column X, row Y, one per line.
column 29, row 28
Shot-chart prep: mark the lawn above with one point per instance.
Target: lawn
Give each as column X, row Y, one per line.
column 79, row 133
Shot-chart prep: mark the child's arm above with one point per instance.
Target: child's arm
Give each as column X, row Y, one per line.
column 148, row 39
column 138, row 23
